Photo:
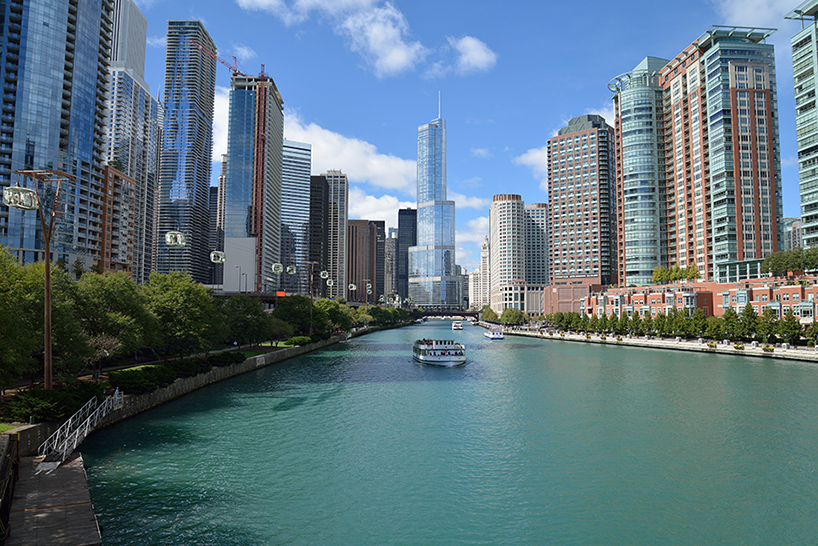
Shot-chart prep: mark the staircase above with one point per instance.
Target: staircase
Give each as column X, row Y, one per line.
column 65, row 440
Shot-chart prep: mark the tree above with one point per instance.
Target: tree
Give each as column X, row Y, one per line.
column 748, row 321
column 812, row 332
column 277, row 329
column 489, row 314
column 659, row 324
column 593, row 323
column 78, row 269
column 339, row 316
column 692, row 272
column 647, row 324
column 732, row 324
column 637, row 325
column 18, row 336
column 767, row 326
column 790, row 328
column 512, row 316
column 245, row 319
column 295, row 311
column 185, row 311
column 698, row 322
column 714, row 328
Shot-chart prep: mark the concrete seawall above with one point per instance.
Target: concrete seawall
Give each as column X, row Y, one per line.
column 678, row 344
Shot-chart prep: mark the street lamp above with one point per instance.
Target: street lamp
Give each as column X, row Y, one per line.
column 27, row 199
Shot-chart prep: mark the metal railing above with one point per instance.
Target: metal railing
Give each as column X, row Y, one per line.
column 63, row 442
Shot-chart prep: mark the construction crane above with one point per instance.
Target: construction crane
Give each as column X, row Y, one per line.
column 234, row 68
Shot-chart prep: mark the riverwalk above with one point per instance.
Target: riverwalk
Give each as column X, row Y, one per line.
column 782, row 351
column 52, row 509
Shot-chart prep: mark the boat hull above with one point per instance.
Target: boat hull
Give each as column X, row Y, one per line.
column 450, row 363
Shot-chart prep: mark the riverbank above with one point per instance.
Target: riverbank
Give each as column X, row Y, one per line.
column 783, row 351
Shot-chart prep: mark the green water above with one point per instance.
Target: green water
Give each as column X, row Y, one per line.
column 532, row 442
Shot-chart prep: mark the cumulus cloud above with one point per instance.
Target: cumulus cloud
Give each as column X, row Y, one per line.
column 300, row 10
column 606, row 112
column 465, row 202
column 537, row 160
column 473, row 55
column 243, row 53
column 365, row 206
column 482, row 153
column 358, row 159
column 157, row 41
column 476, row 230
column 754, row 13
column 221, row 114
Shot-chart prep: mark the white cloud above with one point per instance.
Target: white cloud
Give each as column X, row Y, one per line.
column 483, row 153
column 464, row 202
column 221, row 114
column 606, row 112
column 755, row 13
column 537, row 160
column 369, row 207
column 300, row 10
column 243, row 53
column 477, row 229
column 379, row 36
column 473, row 55
column 157, row 41
column 359, row 159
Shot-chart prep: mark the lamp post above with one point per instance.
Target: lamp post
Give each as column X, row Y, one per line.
column 239, row 268
column 27, row 199
column 311, row 264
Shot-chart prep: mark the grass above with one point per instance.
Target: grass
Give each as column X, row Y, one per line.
column 5, row 427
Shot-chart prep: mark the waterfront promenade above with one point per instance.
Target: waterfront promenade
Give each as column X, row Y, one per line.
column 782, row 351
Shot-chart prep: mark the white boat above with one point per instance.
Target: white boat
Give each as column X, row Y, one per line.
column 439, row 352
column 494, row 333
column 457, row 325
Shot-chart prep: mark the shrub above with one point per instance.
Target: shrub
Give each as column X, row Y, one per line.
column 51, row 405
column 140, row 380
column 299, row 340
column 190, row 367
column 220, row 360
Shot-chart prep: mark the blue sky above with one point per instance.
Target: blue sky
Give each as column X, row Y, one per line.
column 359, row 76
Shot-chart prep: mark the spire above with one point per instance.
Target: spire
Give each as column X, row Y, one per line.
column 438, row 104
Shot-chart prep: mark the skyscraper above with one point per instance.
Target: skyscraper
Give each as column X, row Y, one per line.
column 640, row 190
column 337, row 233
column 700, row 133
column 252, row 204
column 480, row 280
column 318, row 235
column 507, row 256
column 805, row 66
column 295, row 215
column 362, row 260
column 54, row 65
column 390, row 265
column 581, row 190
column 433, row 282
column 407, row 237
column 134, row 130
column 184, row 179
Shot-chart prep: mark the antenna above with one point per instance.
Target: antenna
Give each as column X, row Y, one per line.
column 438, row 104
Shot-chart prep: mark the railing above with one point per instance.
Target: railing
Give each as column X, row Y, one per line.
column 63, row 442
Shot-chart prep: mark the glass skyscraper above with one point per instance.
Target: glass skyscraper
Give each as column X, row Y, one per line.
column 252, row 203
column 338, row 215
column 295, row 215
column 433, row 281
column 184, row 180
column 54, row 67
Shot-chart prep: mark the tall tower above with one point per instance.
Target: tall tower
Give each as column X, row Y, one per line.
column 581, row 189
column 805, row 66
column 407, row 237
column 318, row 232
column 433, row 281
column 134, row 130
column 54, row 65
column 252, row 204
column 507, row 256
column 295, row 215
column 184, row 179
column 641, row 223
column 337, row 233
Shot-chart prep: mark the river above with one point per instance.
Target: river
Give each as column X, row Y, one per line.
column 533, row 442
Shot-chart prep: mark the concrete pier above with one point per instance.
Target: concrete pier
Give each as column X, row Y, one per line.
column 52, row 509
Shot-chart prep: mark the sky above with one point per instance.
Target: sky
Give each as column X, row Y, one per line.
column 359, row 76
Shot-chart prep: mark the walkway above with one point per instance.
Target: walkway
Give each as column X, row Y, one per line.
column 52, row 509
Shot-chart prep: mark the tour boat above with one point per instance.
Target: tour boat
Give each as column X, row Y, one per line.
column 494, row 333
column 439, row 352
column 457, row 325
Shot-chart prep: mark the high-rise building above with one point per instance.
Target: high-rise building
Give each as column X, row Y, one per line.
column 433, row 281
column 390, row 266
column 216, row 272
column 362, row 261
column 187, row 143
column 134, row 129
column 581, row 191
column 792, row 233
column 54, row 64
column 252, row 202
column 480, row 279
column 805, row 66
column 507, row 256
column 380, row 258
column 337, row 233
column 295, row 215
column 709, row 145
column 641, row 223
column 407, row 237
column 318, row 234
column 118, row 219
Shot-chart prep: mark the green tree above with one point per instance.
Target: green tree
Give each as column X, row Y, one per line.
column 18, row 320
column 790, row 328
column 489, row 314
column 812, row 332
column 732, row 324
column 339, row 316
column 647, row 324
column 748, row 322
column 692, row 272
column 593, row 323
column 187, row 316
column 637, row 325
column 78, row 269
column 295, row 311
column 512, row 316
column 659, row 322
column 714, row 328
column 277, row 329
column 698, row 322
column 245, row 320
column 767, row 326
